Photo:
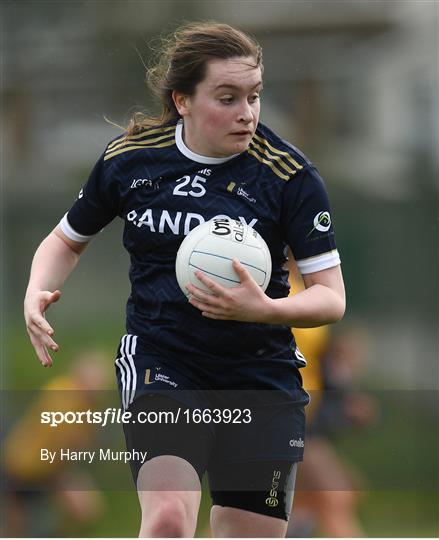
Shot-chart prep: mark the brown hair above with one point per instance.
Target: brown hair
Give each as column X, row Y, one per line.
column 182, row 62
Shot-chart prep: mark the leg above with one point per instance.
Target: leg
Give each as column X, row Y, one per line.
column 262, row 508
column 168, row 483
column 337, row 515
column 229, row 522
column 326, row 488
column 169, row 494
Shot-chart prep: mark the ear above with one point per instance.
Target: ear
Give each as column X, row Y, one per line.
column 181, row 102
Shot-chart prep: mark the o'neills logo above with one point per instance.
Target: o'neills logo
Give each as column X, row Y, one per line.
column 297, row 443
column 272, row 500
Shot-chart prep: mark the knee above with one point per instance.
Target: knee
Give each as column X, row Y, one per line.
column 168, row 519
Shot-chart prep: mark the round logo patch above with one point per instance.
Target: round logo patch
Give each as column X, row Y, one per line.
column 322, row 221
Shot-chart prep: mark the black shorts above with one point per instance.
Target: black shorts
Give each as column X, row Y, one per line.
column 248, row 441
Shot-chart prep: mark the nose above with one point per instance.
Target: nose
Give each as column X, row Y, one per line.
column 245, row 113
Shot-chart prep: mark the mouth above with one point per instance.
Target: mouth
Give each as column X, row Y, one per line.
column 242, row 133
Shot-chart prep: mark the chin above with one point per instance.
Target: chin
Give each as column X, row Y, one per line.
column 231, row 149
column 239, row 147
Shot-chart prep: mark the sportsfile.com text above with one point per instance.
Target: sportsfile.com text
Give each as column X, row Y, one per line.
column 113, row 415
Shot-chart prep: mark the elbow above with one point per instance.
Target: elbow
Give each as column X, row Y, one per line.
column 335, row 310
column 339, row 310
column 339, row 315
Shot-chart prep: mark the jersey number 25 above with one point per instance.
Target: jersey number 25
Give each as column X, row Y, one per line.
column 195, row 184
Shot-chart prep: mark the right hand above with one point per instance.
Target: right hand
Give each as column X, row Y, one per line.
column 39, row 330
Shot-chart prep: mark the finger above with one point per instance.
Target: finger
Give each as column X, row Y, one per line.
column 198, row 303
column 192, row 297
column 38, row 325
column 42, row 353
column 211, row 284
column 43, row 339
column 38, row 321
column 192, row 289
column 200, row 295
column 44, row 356
column 56, row 295
column 210, row 315
column 241, row 270
column 48, row 298
column 48, row 342
column 202, row 306
column 44, row 326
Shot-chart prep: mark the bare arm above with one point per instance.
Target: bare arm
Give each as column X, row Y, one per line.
column 53, row 262
column 322, row 301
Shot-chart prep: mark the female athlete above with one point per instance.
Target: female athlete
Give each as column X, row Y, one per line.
column 207, row 155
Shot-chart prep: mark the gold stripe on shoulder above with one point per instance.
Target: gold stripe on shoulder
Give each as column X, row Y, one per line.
column 269, row 163
column 143, row 142
column 147, row 133
column 276, row 159
column 276, row 151
column 170, row 142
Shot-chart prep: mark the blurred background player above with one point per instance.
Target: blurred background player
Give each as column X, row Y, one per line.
column 54, row 499
column 328, row 487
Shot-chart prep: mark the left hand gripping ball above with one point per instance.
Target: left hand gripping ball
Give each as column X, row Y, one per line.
column 211, row 248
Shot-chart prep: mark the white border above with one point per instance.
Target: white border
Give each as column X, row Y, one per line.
column 319, row 262
column 71, row 233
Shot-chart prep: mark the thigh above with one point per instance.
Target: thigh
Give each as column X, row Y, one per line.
column 261, row 487
column 157, row 396
column 168, row 481
column 253, row 465
column 169, row 436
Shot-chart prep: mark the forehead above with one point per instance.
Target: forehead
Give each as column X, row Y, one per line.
column 238, row 72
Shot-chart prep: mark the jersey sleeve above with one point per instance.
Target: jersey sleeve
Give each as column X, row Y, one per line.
column 95, row 207
column 307, row 223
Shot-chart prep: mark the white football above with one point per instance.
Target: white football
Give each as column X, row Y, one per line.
column 211, row 248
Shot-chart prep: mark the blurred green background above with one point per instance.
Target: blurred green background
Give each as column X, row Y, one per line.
column 353, row 84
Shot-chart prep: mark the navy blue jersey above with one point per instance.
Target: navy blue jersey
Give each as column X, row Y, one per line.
column 162, row 190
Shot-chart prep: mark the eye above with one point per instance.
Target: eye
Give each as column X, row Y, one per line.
column 254, row 98
column 226, row 100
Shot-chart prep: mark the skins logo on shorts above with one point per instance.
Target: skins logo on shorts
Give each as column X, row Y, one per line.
column 322, row 222
column 272, row 500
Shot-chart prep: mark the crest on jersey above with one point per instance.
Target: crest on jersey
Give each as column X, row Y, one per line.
column 322, row 222
column 238, row 190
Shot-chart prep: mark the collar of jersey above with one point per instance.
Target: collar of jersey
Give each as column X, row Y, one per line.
column 192, row 155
